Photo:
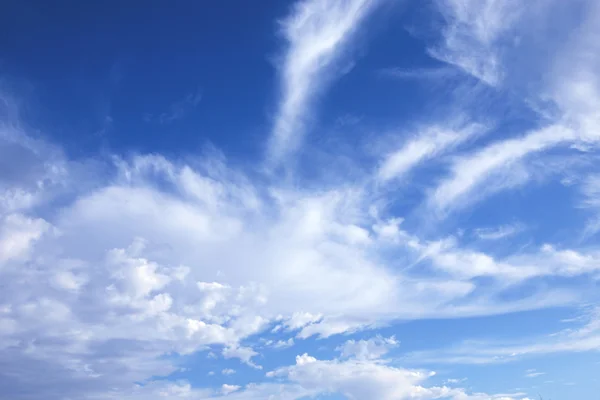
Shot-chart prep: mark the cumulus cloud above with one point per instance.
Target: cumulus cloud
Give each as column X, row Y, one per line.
column 228, row 371
column 136, row 271
column 245, row 354
column 367, row 349
column 226, row 389
column 17, row 234
column 127, row 271
column 363, row 379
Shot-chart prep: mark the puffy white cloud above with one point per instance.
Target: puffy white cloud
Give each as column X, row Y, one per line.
column 152, row 271
column 227, row 389
column 282, row 344
column 368, row 349
column 245, row 354
column 17, row 234
column 354, row 379
column 368, row 379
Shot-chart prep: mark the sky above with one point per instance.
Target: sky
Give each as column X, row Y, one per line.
column 307, row 199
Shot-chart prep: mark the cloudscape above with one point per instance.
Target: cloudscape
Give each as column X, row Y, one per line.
column 307, row 199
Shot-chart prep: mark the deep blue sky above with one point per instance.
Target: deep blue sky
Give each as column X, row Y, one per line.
column 99, row 67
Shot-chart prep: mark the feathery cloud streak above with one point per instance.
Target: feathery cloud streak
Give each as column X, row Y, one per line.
column 470, row 37
column 434, row 141
column 317, row 34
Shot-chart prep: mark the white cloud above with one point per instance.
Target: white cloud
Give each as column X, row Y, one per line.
column 160, row 270
column 363, row 379
column 438, row 73
column 245, row 354
column 482, row 38
column 428, row 144
column 488, row 170
column 206, row 273
column 368, row 349
column 455, row 380
column 158, row 390
column 283, row 344
column 17, row 235
column 227, row 389
column 546, row 261
column 533, row 373
column 582, row 338
column 473, row 34
column 591, row 201
column 336, row 378
column 228, row 371
column 354, row 379
column 317, row 32
column 301, row 319
column 177, row 110
column 32, row 171
column 149, row 256
column 499, row 232
column 573, row 80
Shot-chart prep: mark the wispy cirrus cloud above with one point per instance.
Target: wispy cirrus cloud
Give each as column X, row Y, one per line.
column 485, row 171
column 433, row 141
column 573, row 93
column 582, row 338
column 418, row 74
column 499, row 232
column 177, row 110
column 533, row 373
column 591, row 201
column 470, row 40
column 318, row 32
column 227, row 389
column 369, row 349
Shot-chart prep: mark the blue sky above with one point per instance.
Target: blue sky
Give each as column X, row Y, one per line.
column 329, row 199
